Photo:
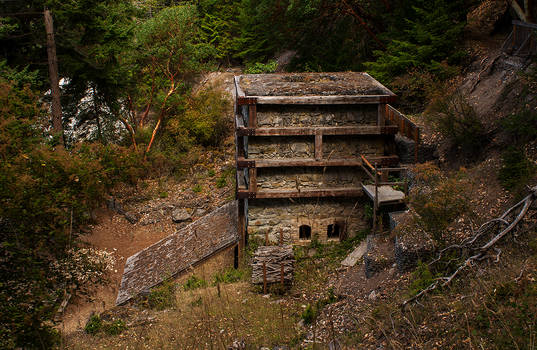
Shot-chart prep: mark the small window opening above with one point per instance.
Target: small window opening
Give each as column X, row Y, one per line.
column 332, row 231
column 304, row 232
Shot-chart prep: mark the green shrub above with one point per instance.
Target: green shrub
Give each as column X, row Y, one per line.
column 114, row 327
column 522, row 126
column 94, row 325
column 163, row 296
column 309, row 314
column 197, row 188
column 457, row 120
column 211, row 173
column 194, row 282
column 228, row 276
column 257, row 68
column 422, row 277
column 516, row 169
column 221, row 182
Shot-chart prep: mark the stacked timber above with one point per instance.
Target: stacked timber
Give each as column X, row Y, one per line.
column 273, row 264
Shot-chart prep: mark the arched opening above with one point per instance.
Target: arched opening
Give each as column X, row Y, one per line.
column 332, row 231
column 304, row 232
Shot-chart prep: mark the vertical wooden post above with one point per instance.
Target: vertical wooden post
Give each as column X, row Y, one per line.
column 253, row 179
column 252, row 116
column 57, row 125
column 381, row 114
column 416, row 144
column 264, row 278
column 281, row 236
column 375, row 199
column 282, row 274
column 266, row 237
column 242, row 230
column 318, row 145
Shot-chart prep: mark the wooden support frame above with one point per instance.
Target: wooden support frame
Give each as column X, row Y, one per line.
column 310, row 131
column 332, row 192
column 310, row 162
column 318, row 145
column 252, row 184
column 252, row 116
column 382, row 111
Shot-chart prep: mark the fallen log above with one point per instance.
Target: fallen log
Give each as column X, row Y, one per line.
column 478, row 251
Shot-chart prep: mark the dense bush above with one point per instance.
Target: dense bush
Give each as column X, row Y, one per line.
column 46, row 195
column 516, row 169
column 457, row 120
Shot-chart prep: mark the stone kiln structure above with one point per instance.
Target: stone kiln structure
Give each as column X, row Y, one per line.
column 301, row 139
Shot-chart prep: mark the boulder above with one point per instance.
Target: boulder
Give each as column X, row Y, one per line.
column 181, row 215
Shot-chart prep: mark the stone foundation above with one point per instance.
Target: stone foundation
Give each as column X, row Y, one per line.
column 270, row 216
column 281, row 147
column 344, row 147
column 300, row 116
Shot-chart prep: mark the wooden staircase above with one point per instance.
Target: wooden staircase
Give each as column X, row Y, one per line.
column 382, row 191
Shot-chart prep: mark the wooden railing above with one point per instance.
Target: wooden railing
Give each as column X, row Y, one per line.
column 521, row 41
column 406, row 127
column 380, row 177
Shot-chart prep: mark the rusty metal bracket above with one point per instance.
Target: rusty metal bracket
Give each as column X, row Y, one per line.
column 246, row 101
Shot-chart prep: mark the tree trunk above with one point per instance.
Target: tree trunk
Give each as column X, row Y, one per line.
column 54, row 80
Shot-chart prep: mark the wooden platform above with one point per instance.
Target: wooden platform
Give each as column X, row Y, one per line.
column 386, row 194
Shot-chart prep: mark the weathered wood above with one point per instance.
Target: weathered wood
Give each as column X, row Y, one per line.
column 238, row 89
column 241, row 227
column 326, row 130
column 333, row 192
column 253, row 179
column 318, row 145
column 56, row 107
column 267, row 264
column 252, row 116
column 381, row 114
column 325, row 100
column 264, row 277
column 309, row 162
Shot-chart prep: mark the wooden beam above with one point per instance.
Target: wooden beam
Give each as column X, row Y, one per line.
column 333, row 192
column 519, row 11
column 318, row 145
column 332, row 130
column 241, row 227
column 309, row 162
column 325, row 100
column 56, row 108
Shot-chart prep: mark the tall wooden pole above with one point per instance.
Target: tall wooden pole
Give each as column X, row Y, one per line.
column 54, row 80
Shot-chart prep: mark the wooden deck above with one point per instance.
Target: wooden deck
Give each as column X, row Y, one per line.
column 386, row 194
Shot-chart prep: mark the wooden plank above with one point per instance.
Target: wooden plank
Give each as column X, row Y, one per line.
column 325, row 100
column 330, row 130
column 241, row 227
column 309, row 162
column 238, row 89
column 318, row 145
column 333, row 192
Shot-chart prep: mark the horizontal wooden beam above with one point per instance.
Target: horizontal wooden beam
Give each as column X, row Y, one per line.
column 309, row 162
column 325, row 100
column 333, row 192
column 331, row 130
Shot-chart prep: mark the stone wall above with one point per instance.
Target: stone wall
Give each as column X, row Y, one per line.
column 281, row 147
column 343, row 147
column 269, row 216
column 303, row 116
column 309, row 178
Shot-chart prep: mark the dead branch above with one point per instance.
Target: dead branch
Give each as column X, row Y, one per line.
column 273, row 257
column 480, row 252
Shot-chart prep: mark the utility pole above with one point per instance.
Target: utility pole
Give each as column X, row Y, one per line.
column 57, row 125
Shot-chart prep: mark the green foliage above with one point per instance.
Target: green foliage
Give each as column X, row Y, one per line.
column 94, row 325
column 516, row 169
column 439, row 200
column 228, row 276
column 115, row 327
column 425, row 39
column 457, row 120
column 258, row 68
column 312, row 311
column 211, row 173
column 194, row 282
column 163, row 296
column 422, row 277
column 521, row 127
column 197, row 188
column 204, row 121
